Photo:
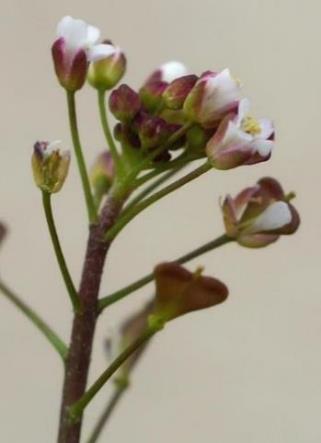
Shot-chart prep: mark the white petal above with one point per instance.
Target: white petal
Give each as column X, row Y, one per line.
column 77, row 34
column 274, row 217
column 221, row 91
column 267, row 128
column 99, row 52
column 243, row 110
column 63, row 25
column 52, row 146
column 235, row 136
column 172, row 70
column 263, row 147
column 93, row 35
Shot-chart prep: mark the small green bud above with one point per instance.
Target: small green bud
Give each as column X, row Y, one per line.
column 50, row 166
column 104, row 74
column 102, row 173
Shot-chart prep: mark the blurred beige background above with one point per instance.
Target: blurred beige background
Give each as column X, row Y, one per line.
column 248, row 371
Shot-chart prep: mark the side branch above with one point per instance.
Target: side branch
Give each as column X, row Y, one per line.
column 76, row 410
column 122, row 293
column 131, row 213
column 51, row 336
column 46, row 198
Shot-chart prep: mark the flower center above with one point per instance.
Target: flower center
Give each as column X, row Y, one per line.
column 250, row 125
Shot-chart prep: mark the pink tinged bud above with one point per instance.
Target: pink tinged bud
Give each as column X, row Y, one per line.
column 241, row 140
column 167, row 72
column 124, row 103
column 259, row 215
column 50, row 166
column 176, row 92
column 102, row 173
column 151, row 95
column 106, row 72
column 152, row 131
column 179, row 291
column 213, row 96
column 74, row 48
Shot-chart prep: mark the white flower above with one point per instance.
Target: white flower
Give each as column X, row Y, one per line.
column 241, row 140
column 78, row 35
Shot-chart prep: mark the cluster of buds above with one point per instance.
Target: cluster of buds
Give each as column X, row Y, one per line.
column 258, row 215
column 50, row 166
column 216, row 120
column 219, row 121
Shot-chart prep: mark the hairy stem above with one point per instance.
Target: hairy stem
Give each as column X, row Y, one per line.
column 122, row 293
column 84, row 323
column 130, row 214
column 91, row 207
column 46, row 199
column 51, row 336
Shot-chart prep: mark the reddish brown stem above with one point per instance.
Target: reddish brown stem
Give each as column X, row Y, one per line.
column 84, row 323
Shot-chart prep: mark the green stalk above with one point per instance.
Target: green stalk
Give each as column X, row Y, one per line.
column 51, row 336
column 122, row 293
column 156, row 184
column 130, row 214
column 106, row 128
column 91, row 208
column 109, row 409
column 46, row 199
column 76, row 410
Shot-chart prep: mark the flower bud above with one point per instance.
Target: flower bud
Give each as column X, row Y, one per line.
column 50, row 166
column 167, row 72
column 102, row 173
column 107, row 72
column 179, row 291
column 124, row 103
column 152, row 130
column 258, row 215
column 75, row 46
column 213, row 96
column 176, row 92
column 151, row 95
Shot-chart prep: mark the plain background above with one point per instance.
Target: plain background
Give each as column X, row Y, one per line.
column 248, row 371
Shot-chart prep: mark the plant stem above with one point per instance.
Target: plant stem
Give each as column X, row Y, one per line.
column 170, row 141
column 52, row 337
column 130, row 214
column 84, row 323
column 122, row 293
column 91, row 208
column 149, row 189
column 76, row 410
column 106, row 128
column 117, row 395
column 46, row 199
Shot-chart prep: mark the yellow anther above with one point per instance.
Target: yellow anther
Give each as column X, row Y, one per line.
column 251, row 125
